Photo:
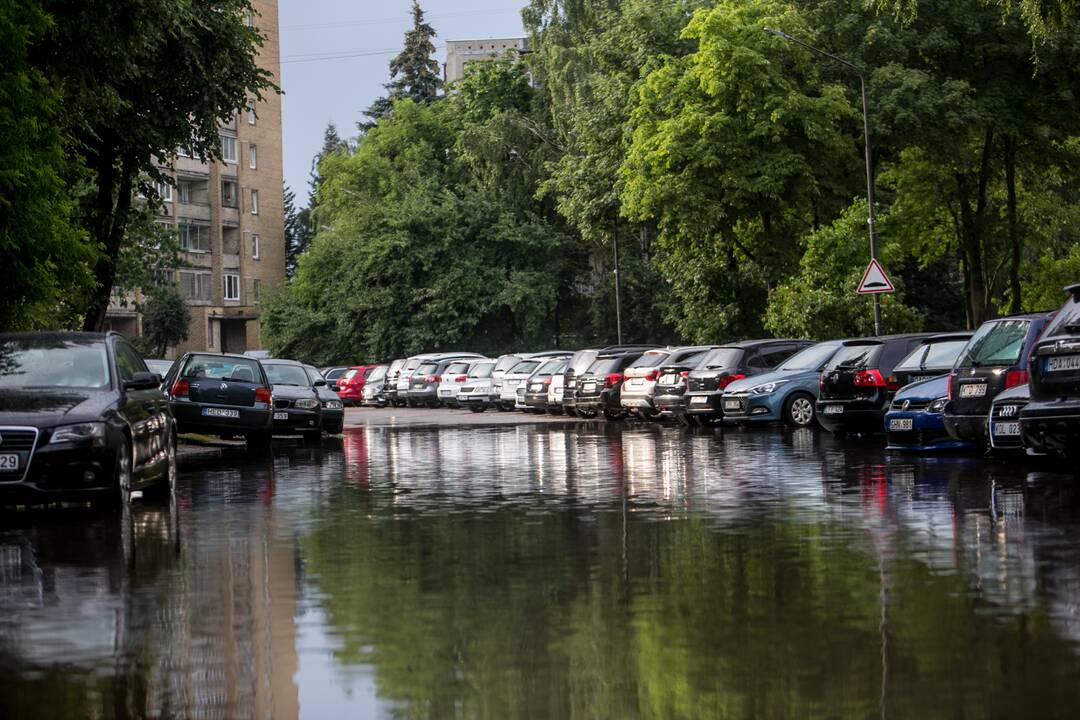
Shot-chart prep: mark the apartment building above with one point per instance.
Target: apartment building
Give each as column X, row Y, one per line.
column 230, row 219
column 460, row 53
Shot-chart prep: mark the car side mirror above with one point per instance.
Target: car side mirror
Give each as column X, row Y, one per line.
column 319, row 383
column 143, row 381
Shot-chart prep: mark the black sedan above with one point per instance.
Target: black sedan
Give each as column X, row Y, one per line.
column 81, row 417
column 221, row 394
column 302, row 401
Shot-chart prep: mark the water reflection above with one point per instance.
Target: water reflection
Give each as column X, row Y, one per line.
column 555, row 571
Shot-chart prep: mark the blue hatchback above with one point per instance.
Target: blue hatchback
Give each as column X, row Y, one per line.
column 788, row 393
column 915, row 420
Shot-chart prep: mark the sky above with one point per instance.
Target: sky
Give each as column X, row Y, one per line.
column 335, row 56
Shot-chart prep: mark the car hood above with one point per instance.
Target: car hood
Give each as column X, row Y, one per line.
column 43, row 408
column 931, row 389
column 740, row 386
column 292, row 392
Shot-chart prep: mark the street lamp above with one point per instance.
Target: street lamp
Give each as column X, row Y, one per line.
column 871, row 221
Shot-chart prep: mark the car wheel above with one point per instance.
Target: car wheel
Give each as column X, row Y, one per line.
column 614, row 415
column 685, row 420
column 555, row 411
column 476, row 408
column 799, row 410
column 258, row 441
column 171, row 472
column 123, row 472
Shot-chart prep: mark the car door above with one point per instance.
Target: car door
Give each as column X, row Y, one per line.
column 141, row 409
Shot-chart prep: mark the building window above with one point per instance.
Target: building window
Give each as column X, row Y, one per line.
column 232, row 286
column 228, row 148
column 254, row 202
column 254, row 246
column 164, row 191
column 209, row 333
column 253, row 156
column 249, row 18
column 251, row 112
column 195, row 285
column 256, row 289
column 183, row 152
column 194, row 238
column 229, row 195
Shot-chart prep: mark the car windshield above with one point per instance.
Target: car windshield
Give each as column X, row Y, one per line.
column 213, row 367
column 161, row 367
column 482, row 370
column 999, row 342
column 41, row 363
column 525, row 367
column 506, row 362
column 722, row 358
column 349, row 374
column 581, row 360
column 426, row 369
column 811, row 358
column 855, row 356
column 395, row 366
column 412, row 364
column 377, row 374
column 286, row 375
column 457, row 368
column 651, row 359
column 551, row 367
column 934, row 355
column 603, row 366
column 1067, row 320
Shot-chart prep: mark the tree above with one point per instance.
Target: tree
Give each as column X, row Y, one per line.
column 414, row 72
column 166, row 318
column 140, row 80
column 1044, row 18
column 298, row 231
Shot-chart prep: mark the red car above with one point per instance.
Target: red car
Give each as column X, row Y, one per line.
column 350, row 386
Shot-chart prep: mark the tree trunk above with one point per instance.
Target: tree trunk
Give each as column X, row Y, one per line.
column 973, row 227
column 1015, row 291
column 108, row 224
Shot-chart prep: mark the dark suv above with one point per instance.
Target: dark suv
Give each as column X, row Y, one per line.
column 857, row 385
column 1050, row 422
column 995, row 359
column 723, row 366
column 599, row 388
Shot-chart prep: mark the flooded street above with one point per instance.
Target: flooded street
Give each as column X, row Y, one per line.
column 554, row 570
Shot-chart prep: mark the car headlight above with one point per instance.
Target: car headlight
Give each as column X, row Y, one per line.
column 767, row 388
column 332, row 404
column 306, row 404
column 83, row 432
column 938, row 406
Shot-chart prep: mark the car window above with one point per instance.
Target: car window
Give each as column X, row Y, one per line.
column 758, row 361
column 602, row 366
column 551, row 367
column 651, row 359
column 313, row 375
column 811, row 358
column 688, row 358
column 936, row 355
column 914, row 361
column 214, row 367
column 996, row 343
column 525, row 367
column 506, row 362
column 482, row 370
column 286, row 375
column 582, row 361
column 773, row 357
column 128, row 362
column 377, row 374
column 349, row 374
column 457, row 368
column 856, row 356
column 1066, row 321
column 49, row 363
column 426, row 369
column 722, row 358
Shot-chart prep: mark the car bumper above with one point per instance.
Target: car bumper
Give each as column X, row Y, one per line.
column 927, row 434
column 333, row 421
column 350, row 396
column 484, row 400
column 296, row 420
column 751, row 409
column 63, row 472
column 604, row 400
column 701, row 403
column 537, row 401
column 1051, row 427
column 637, row 403
column 427, row 395
column 189, row 419
column 970, row 428
column 858, row 417
column 669, row 404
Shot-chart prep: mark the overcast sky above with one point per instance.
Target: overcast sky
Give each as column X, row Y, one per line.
column 335, row 53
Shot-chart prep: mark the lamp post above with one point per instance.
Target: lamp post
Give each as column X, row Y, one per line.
column 871, row 221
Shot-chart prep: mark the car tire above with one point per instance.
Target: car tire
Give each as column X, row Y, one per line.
column 476, row 408
column 123, row 473
column 172, row 469
column 572, row 412
column 614, row 415
column 555, row 411
column 685, row 420
column 799, row 410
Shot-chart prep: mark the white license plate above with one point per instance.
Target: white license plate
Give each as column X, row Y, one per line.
column 921, row 378
column 636, row 382
column 588, row 387
column 732, row 405
column 1006, row 429
column 833, row 410
column 511, row 383
column 973, row 390
column 446, row 393
column 221, row 412
column 699, row 400
column 9, row 462
column 901, row 424
column 1064, row 362
column 669, row 380
column 281, row 416
column 466, row 390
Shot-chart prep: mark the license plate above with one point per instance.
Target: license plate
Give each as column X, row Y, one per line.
column 418, row 386
column 511, row 382
column 700, row 400
column 1006, row 429
column 973, row 390
column 9, row 462
column 669, row 380
column 921, row 378
column 221, row 412
column 833, row 410
column 1063, row 362
column 901, row 424
column 281, row 416
column 636, row 382
column 466, row 390
column 732, row 405
column 446, row 393
column 588, row 387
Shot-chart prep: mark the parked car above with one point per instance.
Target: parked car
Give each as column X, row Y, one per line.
column 81, row 416
column 854, row 392
column 404, row 377
column 390, row 390
column 669, row 397
column 350, row 386
column 995, row 359
column 424, row 386
column 580, row 362
column 599, row 388
column 724, row 365
column 511, row 370
column 333, row 374
column 536, row 387
column 1004, row 431
column 374, row 393
column 914, row 421
column 303, row 403
column 639, row 387
column 555, row 393
column 221, row 394
column 1050, row 422
column 161, row 367
column 477, row 394
column 934, row 358
column 788, row 394
column 454, row 378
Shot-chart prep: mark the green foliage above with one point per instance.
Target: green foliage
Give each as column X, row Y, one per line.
column 150, row 254
column 414, row 72
column 165, row 318
column 298, row 231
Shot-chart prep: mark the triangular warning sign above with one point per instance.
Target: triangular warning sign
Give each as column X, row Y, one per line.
column 874, row 280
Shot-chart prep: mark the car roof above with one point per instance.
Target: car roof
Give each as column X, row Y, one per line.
column 58, row 335
column 234, row 356
column 882, row 339
column 280, row 361
column 748, row 344
column 948, row 337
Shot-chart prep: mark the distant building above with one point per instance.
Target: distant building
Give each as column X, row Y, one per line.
column 460, row 53
column 230, row 219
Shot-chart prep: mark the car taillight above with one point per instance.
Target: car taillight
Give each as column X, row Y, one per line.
column 548, row 381
column 653, row 375
column 613, row 379
column 870, row 378
column 1015, row 378
column 433, row 379
column 728, row 379
column 263, row 395
column 821, row 382
column 948, row 388
column 684, row 374
column 893, row 383
column 461, row 378
column 180, row 388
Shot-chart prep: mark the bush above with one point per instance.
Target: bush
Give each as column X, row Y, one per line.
column 165, row 319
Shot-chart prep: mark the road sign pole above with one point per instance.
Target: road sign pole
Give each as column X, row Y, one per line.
column 872, row 219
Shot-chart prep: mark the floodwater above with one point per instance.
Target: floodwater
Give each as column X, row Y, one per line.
column 555, row 571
